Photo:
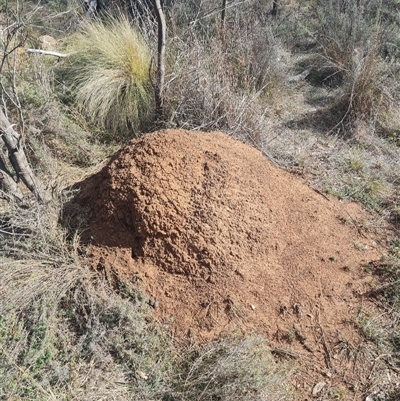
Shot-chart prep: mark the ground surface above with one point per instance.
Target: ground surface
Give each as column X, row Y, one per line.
column 223, row 241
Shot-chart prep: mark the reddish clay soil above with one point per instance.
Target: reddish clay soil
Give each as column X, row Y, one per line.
column 223, row 241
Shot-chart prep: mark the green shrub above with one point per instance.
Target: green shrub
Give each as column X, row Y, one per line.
column 111, row 75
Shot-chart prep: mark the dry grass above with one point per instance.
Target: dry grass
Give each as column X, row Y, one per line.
column 66, row 333
column 231, row 370
column 227, row 80
column 351, row 38
column 366, row 96
column 111, row 75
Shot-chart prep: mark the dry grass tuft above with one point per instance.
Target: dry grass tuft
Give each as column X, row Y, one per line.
column 366, row 96
column 111, row 75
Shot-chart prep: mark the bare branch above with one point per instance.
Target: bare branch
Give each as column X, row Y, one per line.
column 17, row 157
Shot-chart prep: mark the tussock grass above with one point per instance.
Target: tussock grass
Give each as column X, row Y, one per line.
column 111, row 75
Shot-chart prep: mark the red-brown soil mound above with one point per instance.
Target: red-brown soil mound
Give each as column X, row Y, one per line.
column 221, row 239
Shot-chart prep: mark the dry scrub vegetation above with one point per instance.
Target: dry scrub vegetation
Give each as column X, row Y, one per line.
column 69, row 334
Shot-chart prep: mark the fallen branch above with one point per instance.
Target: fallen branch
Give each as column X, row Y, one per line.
column 8, row 187
column 49, row 53
column 16, row 155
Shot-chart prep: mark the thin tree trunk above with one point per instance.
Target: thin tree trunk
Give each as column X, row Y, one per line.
column 162, row 32
column 274, row 10
column 223, row 14
column 17, row 157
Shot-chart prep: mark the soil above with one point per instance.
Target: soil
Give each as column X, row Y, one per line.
column 222, row 241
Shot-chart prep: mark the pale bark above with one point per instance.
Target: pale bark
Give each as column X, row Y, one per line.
column 48, row 53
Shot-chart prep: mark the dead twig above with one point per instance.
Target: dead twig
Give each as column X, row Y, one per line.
column 49, row 53
column 383, row 288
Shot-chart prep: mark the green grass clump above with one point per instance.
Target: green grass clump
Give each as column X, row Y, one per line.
column 110, row 72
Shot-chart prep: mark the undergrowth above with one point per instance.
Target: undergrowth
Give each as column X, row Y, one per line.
column 233, row 369
column 225, row 77
column 65, row 331
column 351, row 48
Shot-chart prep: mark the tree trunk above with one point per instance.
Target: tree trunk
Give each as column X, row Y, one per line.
column 274, row 10
column 223, row 14
column 159, row 89
column 17, row 158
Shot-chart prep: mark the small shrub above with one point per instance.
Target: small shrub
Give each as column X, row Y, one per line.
column 223, row 78
column 230, row 370
column 351, row 38
column 111, row 75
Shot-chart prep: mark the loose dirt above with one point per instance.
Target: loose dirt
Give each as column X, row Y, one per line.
column 223, row 241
